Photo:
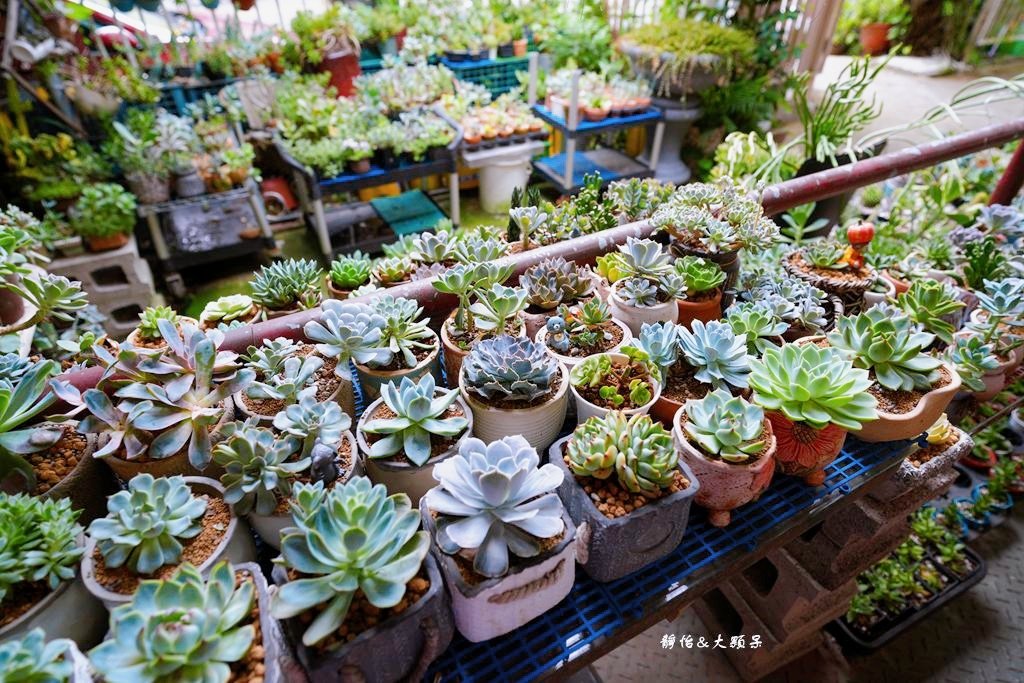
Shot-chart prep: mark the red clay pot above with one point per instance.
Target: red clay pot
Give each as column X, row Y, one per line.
column 704, row 310
column 106, row 243
column 804, row 451
column 874, row 38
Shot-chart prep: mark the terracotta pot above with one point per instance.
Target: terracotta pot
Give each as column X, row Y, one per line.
column 704, row 311
column 371, row 380
column 539, row 424
column 874, row 38
column 901, row 286
column 728, row 261
column 343, row 66
column 335, row 292
column 636, row 316
column 106, row 243
column 664, row 410
column 401, row 476
column 585, row 409
column 725, row 486
column 519, row 47
column 572, row 361
column 235, row 545
column 803, row 451
column 359, row 166
column 595, row 114
column 896, row 427
column 494, row 607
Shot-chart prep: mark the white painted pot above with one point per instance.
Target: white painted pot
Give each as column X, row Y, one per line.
column 371, row 380
column 586, row 410
column 539, row 425
column 572, row 361
column 897, row 427
column 636, row 316
column 873, row 298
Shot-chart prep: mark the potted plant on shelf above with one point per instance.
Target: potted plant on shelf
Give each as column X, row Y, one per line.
column 979, row 369
column 581, row 331
column 346, row 603
column 31, row 657
column 998, row 319
column 729, row 446
column 505, row 544
column 625, row 490
column 104, row 216
column 702, row 294
column 348, row 272
column 912, row 388
column 513, row 386
column 758, row 322
column 806, row 310
column 409, row 429
column 626, row 381
column 286, row 287
column 147, row 334
column 155, row 526
column 552, row 283
column 934, row 306
column 648, row 287
column 827, row 266
column 812, row 396
column 228, row 311
column 408, row 347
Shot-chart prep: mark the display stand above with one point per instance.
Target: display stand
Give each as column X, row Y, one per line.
column 497, row 75
column 678, row 118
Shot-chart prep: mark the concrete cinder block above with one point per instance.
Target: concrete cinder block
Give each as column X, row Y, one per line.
column 105, row 271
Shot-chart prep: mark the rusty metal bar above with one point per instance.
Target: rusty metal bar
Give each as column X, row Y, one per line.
column 1013, row 177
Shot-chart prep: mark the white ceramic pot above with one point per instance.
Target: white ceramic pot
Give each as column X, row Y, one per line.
column 371, row 380
column 539, row 425
column 235, row 545
column 572, row 361
column 873, row 298
column 897, row 427
column 586, row 410
column 636, row 316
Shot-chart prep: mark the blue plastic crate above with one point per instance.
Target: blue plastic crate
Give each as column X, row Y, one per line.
column 497, row 75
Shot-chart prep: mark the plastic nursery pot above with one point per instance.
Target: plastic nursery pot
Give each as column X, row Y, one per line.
column 235, row 545
column 106, row 243
column 900, row 426
column 636, row 316
column 803, row 451
column 973, row 523
column 493, row 607
column 399, row 474
column 268, row 527
column 609, row 549
column 572, row 361
column 538, row 424
column 88, row 484
column 399, row 648
column 725, row 486
column 1004, row 504
column 704, row 310
column 134, row 339
column 586, row 410
column 909, row 477
column 372, row 379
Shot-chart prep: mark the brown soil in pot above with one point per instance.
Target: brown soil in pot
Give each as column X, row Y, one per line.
column 196, row 550
column 466, row 341
column 556, row 384
column 698, row 297
column 592, row 394
column 344, row 461
column 251, row 668
column 926, row 454
column 602, row 344
column 612, row 500
column 844, row 276
column 397, row 363
column 57, row 461
column 464, row 563
column 23, row 597
column 681, row 385
column 264, row 407
column 438, row 444
column 900, row 402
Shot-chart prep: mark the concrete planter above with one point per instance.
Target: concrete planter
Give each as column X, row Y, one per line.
column 803, row 451
column 280, row 666
column 235, row 545
column 495, row 607
column 400, row 476
column 572, row 361
column 896, row 427
column 907, row 476
column 725, row 486
column 586, row 410
column 400, row 648
column 371, row 379
column 609, row 549
column 539, row 424
column 636, row 316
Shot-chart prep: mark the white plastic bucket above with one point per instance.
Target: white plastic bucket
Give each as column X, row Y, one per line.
column 498, row 179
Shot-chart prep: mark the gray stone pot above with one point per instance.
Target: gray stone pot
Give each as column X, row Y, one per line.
column 280, row 665
column 401, row 648
column 908, row 477
column 609, row 549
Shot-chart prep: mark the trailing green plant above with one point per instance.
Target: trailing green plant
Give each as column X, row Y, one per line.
column 403, row 332
column 813, row 385
column 718, row 354
column 419, row 409
column 104, row 210
column 148, row 319
column 349, row 271
column 227, row 310
column 554, row 281
column 928, row 303
column 284, row 285
column 758, row 323
column 184, row 628
column 146, row 523
column 258, row 467
column 40, row 542
column 30, row 658
column 699, row 275
column 352, row 537
column 726, row 426
column 348, row 331
column 973, row 359
column 295, row 375
column 313, row 422
column 618, row 385
column 508, row 368
column 889, row 347
column 23, row 398
column 636, row 449
column 495, row 499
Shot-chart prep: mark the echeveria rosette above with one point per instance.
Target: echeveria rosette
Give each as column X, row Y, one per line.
column 660, row 341
column 347, row 331
column 31, row 659
column 812, row 385
column 718, row 354
column 495, row 499
column 890, row 346
column 638, row 450
column 348, row 538
column 313, row 422
column 973, row 359
column 726, row 426
column 258, row 467
column 508, row 368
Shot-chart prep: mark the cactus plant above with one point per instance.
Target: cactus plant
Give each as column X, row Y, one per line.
column 825, row 254
column 349, row 271
column 312, row 422
column 552, row 282
column 888, row 346
column 21, row 401
column 718, row 355
column 148, row 319
column 267, row 359
column 347, row 331
column 639, row 451
column 31, row 659
column 973, row 359
column 295, row 375
column 40, row 542
column 284, row 285
column 510, row 369
column 928, row 303
column 351, row 537
column 813, row 385
column 185, row 628
column 495, row 499
column 257, row 467
column 227, row 309
column 418, row 415
column 403, row 331
column 392, row 270
column 757, row 322
column 699, row 275
column 145, row 524
column 725, row 426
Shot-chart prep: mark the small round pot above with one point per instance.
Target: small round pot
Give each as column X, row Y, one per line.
column 902, row 286
column 335, row 292
column 359, row 166
column 873, row 298
column 896, row 427
column 246, row 414
column 586, row 410
column 635, row 316
column 149, row 188
column 704, row 311
column 572, row 361
column 874, row 38
column 981, row 462
column 453, row 354
column 235, row 545
column 728, row 261
column 803, row 451
column 725, row 486
column 133, row 336
column 400, row 476
column 189, row 184
column 107, row 242
column 539, row 424
column 371, row 380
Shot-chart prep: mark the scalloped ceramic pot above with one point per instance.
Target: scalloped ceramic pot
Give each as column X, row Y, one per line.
column 586, row 410
column 897, row 427
column 572, row 361
column 235, row 545
column 494, row 607
column 538, row 424
column 400, row 648
column 725, row 486
column 802, row 451
column 636, row 316
column 371, row 379
column 399, row 476
column 609, row 549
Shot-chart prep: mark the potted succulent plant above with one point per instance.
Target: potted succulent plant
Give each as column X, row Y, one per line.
column 287, row 287
column 729, row 446
column 806, row 310
column 383, row 570
column 501, row 573
column 147, row 334
column 31, row 657
column 758, row 322
column 104, row 216
column 648, row 287
column 979, row 369
column 392, row 270
column 581, row 331
column 912, row 388
column 702, row 294
column 409, row 429
column 828, row 266
column 936, row 307
column 625, row 490
column 812, row 396
column 999, row 318
column 882, row 290
column 228, row 311
column 40, row 587
column 408, row 347
column 153, row 527
column 276, row 387
column 550, row 284
column 626, row 381
column 513, row 386
column 348, row 272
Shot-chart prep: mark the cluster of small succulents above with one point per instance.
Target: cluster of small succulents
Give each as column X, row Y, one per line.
column 758, row 322
column 718, row 355
column 888, row 346
column 620, row 385
column 930, row 305
column 285, row 285
column 647, row 276
column 636, row 199
column 726, row 426
column 267, row 359
column 717, row 218
column 349, row 271
column 466, row 281
column 508, row 368
column 435, row 247
column 973, row 359
column 294, row 376
column 553, row 282
column 228, row 310
column 496, row 306
column 797, row 303
column 150, row 317
column 313, row 422
column 478, row 249
column 636, row 449
column 40, row 542
column 1002, row 314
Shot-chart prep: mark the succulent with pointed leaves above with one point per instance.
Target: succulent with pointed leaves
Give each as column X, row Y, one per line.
column 150, row 317
column 403, row 332
column 352, row 537
column 699, row 275
column 347, row 331
column 13, row 366
column 312, row 422
column 258, row 470
column 644, row 258
column 295, row 376
column 637, row 450
column 530, row 219
column 497, row 306
column 973, row 359
column 508, row 368
column 267, row 359
column 227, row 309
column 726, row 426
column 721, row 217
column 552, row 282
column 435, row 247
column 391, row 271
column 31, row 659
column 53, row 296
column 758, row 322
column 40, row 542
column 929, row 304
column 497, row 500
column 20, row 402
column 825, row 254
column 718, row 354
column 888, row 346
column 285, row 285
column 349, row 271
